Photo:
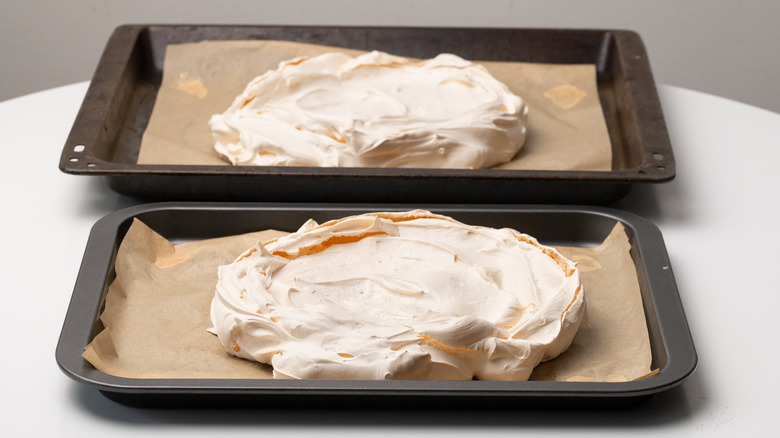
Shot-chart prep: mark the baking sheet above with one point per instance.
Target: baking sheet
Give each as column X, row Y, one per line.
column 673, row 356
column 106, row 136
column 566, row 126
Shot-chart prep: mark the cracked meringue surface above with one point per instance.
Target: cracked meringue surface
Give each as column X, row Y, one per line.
column 399, row 295
column 374, row 110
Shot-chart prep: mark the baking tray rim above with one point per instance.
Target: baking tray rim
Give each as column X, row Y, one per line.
column 108, row 168
column 682, row 358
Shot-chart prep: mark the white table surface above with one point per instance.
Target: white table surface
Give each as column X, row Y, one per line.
column 720, row 220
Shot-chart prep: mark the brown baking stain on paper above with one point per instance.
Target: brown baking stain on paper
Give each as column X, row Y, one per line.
column 585, row 262
column 565, row 96
column 193, row 87
column 167, row 261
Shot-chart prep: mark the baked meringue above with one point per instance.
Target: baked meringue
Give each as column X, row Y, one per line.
column 399, row 295
column 374, row 110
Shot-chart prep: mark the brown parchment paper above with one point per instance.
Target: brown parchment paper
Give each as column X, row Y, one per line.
column 157, row 313
column 566, row 126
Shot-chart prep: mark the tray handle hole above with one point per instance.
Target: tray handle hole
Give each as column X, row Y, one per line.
column 661, row 168
column 79, row 148
column 657, row 156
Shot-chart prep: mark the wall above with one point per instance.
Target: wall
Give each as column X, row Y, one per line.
column 727, row 48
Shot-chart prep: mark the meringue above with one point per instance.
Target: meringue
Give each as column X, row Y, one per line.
column 374, row 110
column 399, row 295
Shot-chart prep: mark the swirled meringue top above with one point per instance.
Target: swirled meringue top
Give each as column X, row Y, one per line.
column 409, row 295
column 375, row 110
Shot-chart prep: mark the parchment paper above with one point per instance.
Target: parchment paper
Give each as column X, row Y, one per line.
column 566, row 126
column 157, row 313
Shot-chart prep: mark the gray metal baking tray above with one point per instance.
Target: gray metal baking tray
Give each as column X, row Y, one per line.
column 673, row 352
column 106, row 135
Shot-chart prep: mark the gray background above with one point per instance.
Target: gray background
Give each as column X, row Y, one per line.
column 727, row 48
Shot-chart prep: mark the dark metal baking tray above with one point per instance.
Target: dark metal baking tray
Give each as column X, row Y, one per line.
column 106, row 135
column 672, row 347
